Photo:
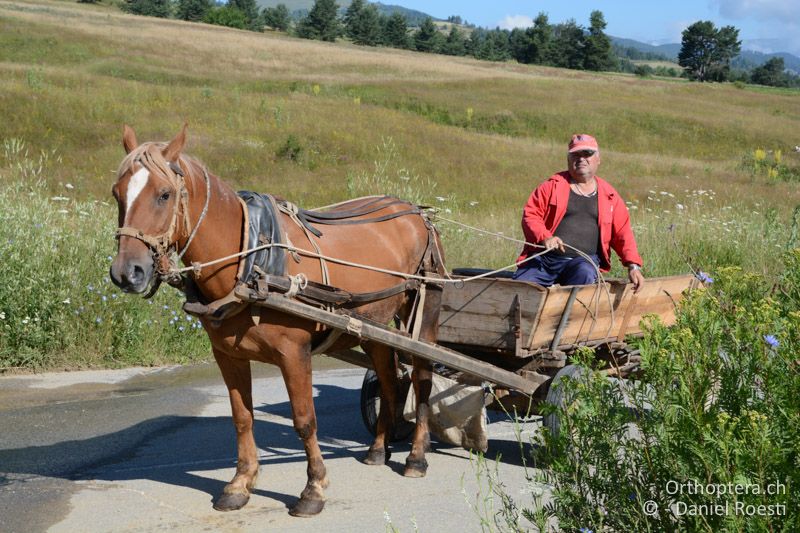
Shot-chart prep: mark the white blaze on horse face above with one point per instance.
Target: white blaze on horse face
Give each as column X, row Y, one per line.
column 135, row 186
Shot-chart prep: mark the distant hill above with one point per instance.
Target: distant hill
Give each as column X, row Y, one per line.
column 299, row 8
column 747, row 60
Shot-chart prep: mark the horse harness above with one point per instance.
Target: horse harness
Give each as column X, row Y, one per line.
column 265, row 270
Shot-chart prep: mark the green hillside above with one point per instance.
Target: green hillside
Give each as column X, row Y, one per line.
column 308, row 120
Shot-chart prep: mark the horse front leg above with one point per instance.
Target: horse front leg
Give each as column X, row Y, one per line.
column 236, row 374
column 383, row 362
column 296, row 370
column 416, row 464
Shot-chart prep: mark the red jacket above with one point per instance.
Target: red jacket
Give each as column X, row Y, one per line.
column 548, row 203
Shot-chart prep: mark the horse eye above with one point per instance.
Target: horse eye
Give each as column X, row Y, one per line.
column 164, row 196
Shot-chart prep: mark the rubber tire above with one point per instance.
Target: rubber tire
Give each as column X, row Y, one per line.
column 556, row 396
column 370, row 401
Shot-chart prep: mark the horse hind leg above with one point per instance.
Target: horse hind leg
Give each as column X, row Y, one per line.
column 297, row 377
column 383, row 362
column 416, row 464
column 236, row 374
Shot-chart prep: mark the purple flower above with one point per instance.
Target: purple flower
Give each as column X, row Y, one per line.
column 772, row 340
column 705, row 278
column 585, row 530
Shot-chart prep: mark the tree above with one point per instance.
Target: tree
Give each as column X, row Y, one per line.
column 520, row 44
column 395, row 31
column 428, row 38
column 249, row 9
column 351, row 15
column 706, row 52
column 455, row 44
column 597, row 54
column 566, row 50
column 226, row 16
column 363, row 23
column 276, row 17
column 771, row 73
column 321, row 23
column 192, row 10
column 541, row 39
column 149, row 8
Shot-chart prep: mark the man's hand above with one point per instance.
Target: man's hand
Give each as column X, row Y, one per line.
column 637, row 278
column 554, row 242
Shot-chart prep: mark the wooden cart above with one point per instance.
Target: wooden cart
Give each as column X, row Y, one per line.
column 514, row 335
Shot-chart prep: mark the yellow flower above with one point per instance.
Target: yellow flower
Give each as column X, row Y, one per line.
column 759, row 155
column 315, row 88
column 778, row 155
column 357, row 100
column 470, row 112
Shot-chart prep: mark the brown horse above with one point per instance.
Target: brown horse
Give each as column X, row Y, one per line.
column 164, row 197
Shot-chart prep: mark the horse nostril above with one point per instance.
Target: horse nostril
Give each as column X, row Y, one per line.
column 136, row 274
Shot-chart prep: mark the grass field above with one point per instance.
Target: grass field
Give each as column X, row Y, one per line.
column 319, row 122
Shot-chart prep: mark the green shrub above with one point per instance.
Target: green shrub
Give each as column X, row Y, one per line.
column 707, row 438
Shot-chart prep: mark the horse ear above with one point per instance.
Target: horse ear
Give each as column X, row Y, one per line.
column 129, row 139
column 175, row 146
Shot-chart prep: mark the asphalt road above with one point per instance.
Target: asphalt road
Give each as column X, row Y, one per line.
column 149, row 449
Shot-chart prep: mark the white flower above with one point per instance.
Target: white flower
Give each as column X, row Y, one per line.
column 66, row 302
column 679, row 206
column 69, row 186
column 2, row 315
column 473, row 203
column 441, row 198
column 26, row 320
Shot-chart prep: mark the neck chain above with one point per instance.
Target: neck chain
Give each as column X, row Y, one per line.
column 577, row 190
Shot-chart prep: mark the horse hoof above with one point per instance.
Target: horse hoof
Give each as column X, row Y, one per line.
column 231, row 502
column 416, row 468
column 377, row 457
column 306, row 507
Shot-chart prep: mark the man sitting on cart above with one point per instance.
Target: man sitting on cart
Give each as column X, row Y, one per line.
column 576, row 209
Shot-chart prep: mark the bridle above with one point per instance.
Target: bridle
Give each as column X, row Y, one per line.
column 163, row 249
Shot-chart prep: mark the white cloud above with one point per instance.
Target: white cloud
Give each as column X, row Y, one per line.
column 758, row 9
column 515, row 21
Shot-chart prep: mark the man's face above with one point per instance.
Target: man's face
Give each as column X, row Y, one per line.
column 583, row 165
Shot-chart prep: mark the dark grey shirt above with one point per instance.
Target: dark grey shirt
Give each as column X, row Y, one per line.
column 579, row 226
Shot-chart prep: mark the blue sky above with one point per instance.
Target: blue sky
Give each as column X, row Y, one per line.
column 775, row 22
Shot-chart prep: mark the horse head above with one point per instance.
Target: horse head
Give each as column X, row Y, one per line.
column 151, row 196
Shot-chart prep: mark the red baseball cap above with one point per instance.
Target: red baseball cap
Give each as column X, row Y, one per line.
column 581, row 142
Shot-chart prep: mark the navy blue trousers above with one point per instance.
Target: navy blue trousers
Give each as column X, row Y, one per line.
column 552, row 268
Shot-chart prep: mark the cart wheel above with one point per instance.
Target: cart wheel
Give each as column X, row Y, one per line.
column 556, row 395
column 370, row 407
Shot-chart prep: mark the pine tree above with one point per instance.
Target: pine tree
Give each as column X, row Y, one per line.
column 455, row 44
column 395, row 31
column 276, row 17
column 566, row 50
column 706, row 52
column 192, row 10
column 541, row 38
column 597, row 54
column 322, row 22
column 249, row 9
column 149, row 8
column 351, row 15
column 363, row 23
column 771, row 73
column 428, row 38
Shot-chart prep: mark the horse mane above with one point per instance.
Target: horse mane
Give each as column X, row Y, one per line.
column 150, row 155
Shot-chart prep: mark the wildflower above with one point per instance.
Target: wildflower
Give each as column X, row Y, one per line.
column 26, row 320
column 440, row 198
column 66, row 302
column 69, row 186
column 180, row 328
column 772, row 340
column 705, row 278
column 760, row 154
column 2, row 315
column 98, row 320
column 585, row 530
column 103, row 298
column 679, row 206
